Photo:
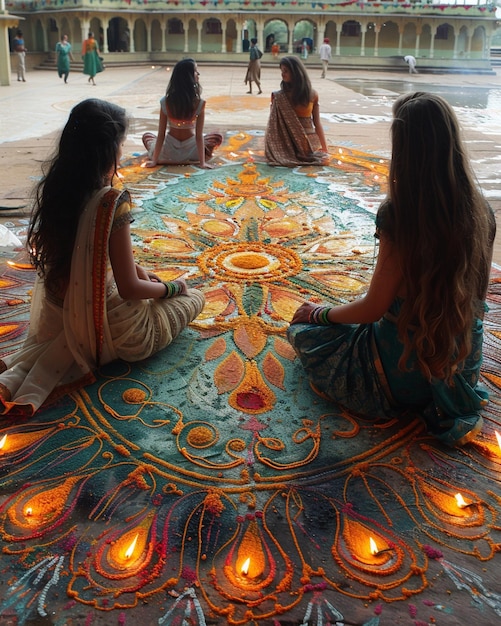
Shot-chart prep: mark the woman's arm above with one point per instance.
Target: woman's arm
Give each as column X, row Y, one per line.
column 162, row 128
column 383, row 289
column 318, row 124
column 199, row 134
column 133, row 282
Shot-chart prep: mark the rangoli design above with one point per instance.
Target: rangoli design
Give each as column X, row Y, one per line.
column 209, row 484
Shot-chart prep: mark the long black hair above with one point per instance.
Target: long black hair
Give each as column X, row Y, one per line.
column 85, row 162
column 183, row 91
column 299, row 89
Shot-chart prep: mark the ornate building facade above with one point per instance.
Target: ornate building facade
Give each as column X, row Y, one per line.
column 361, row 32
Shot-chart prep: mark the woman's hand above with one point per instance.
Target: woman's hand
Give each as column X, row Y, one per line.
column 182, row 283
column 149, row 164
column 302, row 314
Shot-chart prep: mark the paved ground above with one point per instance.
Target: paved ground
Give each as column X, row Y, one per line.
column 32, row 112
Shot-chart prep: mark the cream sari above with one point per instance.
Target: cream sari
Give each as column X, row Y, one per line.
column 93, row 326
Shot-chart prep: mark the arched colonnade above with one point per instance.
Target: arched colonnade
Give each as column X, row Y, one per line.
column 383, row 36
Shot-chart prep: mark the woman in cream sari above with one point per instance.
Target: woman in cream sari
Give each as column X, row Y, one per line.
column 91, row 303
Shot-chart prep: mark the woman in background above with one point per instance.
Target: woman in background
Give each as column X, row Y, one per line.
column 63, row 53
column 91, row 59
column 414, row 341
column 91, row 303
column 180, row 139
column 294, row 134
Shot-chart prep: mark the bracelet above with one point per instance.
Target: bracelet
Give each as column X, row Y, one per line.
column 320, row 315
column 172, row 288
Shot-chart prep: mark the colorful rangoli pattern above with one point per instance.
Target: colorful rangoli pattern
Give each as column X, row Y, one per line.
column 209, row 484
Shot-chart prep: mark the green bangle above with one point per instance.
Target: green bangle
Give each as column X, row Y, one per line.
column 172, row 288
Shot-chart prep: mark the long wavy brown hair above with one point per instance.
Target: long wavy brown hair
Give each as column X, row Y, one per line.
column 443, row 230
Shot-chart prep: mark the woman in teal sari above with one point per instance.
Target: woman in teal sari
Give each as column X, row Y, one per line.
column 63, row 52
column 91, row 58
column 414, row 341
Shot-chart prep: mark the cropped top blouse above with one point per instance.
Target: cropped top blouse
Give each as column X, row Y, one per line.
column 188, row 124
column 306, row 111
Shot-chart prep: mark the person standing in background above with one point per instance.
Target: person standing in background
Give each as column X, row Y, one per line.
column 63, row 52
column 254, row 67
column 20, row 50
column 325, row 55
column 411, row 62
column 90, row 55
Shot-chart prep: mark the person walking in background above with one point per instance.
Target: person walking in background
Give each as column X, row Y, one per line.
column 413, row 343
column 91, row 303
column 182, row 111
column 254, row 67
column 20, row 50
column 325, row 53
column 63, row 53
column 90, row 55
column 411, row 62
column 294, row 134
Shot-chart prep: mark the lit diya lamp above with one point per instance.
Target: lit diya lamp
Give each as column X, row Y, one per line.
column 498, row 437
column 374, row 550
column 461, row 502
column 126, row 552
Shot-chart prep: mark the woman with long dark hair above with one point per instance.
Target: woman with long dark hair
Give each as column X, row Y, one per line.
column 91, row 303
column 294, row 134
column 414, row 341
column 180, row 139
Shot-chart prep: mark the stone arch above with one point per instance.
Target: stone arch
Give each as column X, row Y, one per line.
column 39, row 35
column 280, row 31
column 444, row 40
column 331, row 32
column 231, row 35
column 388, row 39
column 140, row 35
column 425, row 41
column 175, row 34
column 370, row 39
column 76, row 34
column 350, row 37
column 249, row 31
column 212, row 35
column 478, row 43
column 303, row 29
column 118, row 35
column 156, row 36
column 409, row 38
column 462, row 42
column 95, row 27
column 192, row 36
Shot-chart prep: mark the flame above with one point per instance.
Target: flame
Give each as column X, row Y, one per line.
column 130, row 550
column 373, row 547
column 2, row 441
column 245, row 567
column 498, row 437
column 28, row 512
column 460, row 501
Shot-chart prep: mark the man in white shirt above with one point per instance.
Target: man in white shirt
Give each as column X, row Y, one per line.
column 411, row 62
column 325, row 52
